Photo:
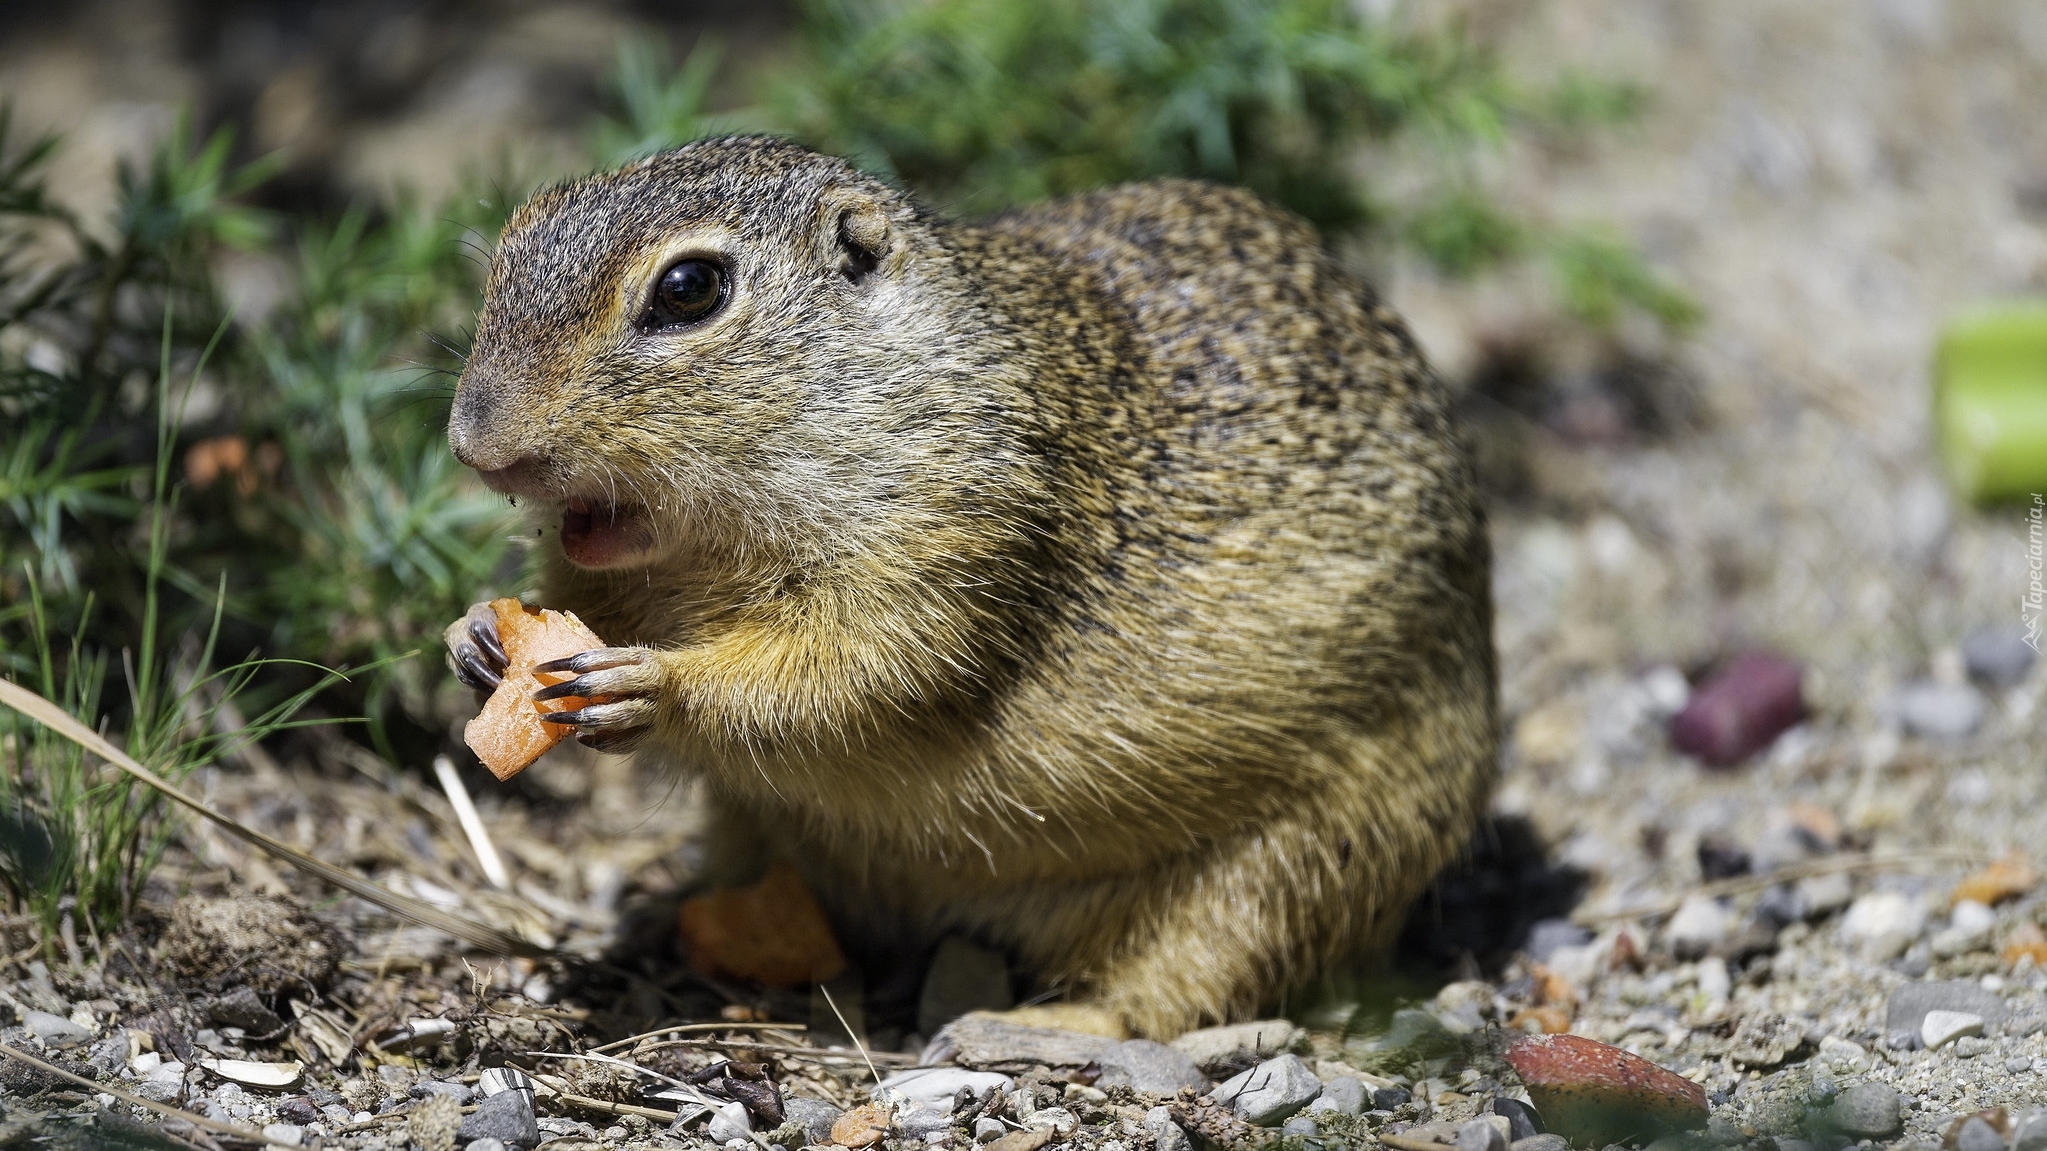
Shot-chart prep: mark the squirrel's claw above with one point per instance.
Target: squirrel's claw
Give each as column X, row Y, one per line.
column 483, row 629
column 624, row 681
column 475, row 652
column 614, row 726
column 473, row 671
column 597, row 659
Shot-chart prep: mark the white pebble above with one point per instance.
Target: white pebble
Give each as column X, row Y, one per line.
column 1715, row 984
column 1969, row 915
column 1943, row 1027
column 1699, row 924
column 1940, row 711
column 1885, row 923
column 730, row 1123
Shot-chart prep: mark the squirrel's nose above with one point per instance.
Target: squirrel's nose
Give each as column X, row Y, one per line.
column 476, row 430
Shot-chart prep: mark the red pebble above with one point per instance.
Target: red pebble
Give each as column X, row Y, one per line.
column 1595, row 1094
column 1740, row 711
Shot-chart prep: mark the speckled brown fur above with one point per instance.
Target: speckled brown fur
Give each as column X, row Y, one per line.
column 1104, row 580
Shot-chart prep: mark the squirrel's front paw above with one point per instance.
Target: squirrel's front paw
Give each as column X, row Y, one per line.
column 475, row 651
column 627, row 680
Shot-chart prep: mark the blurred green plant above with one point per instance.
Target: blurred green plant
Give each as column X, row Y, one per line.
column 656, row 104
column 77, row 840
column 318, row 489
column 982, row 104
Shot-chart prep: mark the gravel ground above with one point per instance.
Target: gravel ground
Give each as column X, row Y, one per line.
column 1831, row 179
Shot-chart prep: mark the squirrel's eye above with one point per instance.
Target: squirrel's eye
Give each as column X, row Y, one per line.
column 688, row 291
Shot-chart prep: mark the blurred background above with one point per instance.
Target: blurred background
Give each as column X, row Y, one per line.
column 1687, row 267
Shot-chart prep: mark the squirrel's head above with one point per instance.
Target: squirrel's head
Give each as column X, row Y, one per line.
column 722, row 340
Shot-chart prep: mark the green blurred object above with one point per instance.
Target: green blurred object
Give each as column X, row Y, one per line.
column 1990, row 401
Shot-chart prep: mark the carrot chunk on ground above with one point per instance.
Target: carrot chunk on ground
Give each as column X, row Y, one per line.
column 772, row 932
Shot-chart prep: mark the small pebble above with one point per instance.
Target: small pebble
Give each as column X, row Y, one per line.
column 861, row 1127
column 1238, row 1043
column 1699, row 924
column 987, row 1130
column 1740, row 711
column 1884, row 923
column 1166, row 1135
column 290, row 1133
column 728, row 1123
column 1971, row 916
column 506, row 1116
column 922, row 1123
column 1300, row 1125
column 486, row 1144
column 1479, row 1135
column 936, row 1087
column 1522, row 1121
column 1058, row 1120
column 299, row 1110
column 1715, row 982
column 1868, row 1111
column 1843, row 1055
column 1940, row 711
column 1971, row 1046
column 1597, row 1093
column 1546, row 935
column 1942, row 1027
column 1269, row 1093
column 1977, row 1134
column 1344, row 1093
column 2029, row 1132
column 1999, row 657
column 498, row 1079
column 815, row 1116
column 2007, row 878
column 1909, row 1004
column 460, row 1092
column 1391, row 1098
column 1143, row 1065
column 1542, row 1142
column 54, row 1030
column 1720, row 859
column 1823, row 893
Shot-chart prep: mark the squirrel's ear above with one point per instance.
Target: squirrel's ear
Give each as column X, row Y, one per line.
column 860, row 233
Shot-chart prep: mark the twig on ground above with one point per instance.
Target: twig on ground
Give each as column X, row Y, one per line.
column 869, row 1057
column 857, row 1045
column 183, row 1116
column 425, row 914
column 472, row 824
column 617, row 1108
column 1806, row 869
column 615, row 1062
column 681, row 1028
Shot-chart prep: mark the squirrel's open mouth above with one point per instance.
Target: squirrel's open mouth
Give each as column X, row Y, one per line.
column 603, row 535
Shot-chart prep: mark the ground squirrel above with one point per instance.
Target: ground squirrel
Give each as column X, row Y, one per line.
column 1104, row 581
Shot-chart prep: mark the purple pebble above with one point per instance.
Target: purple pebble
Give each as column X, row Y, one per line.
column 1740, row 711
